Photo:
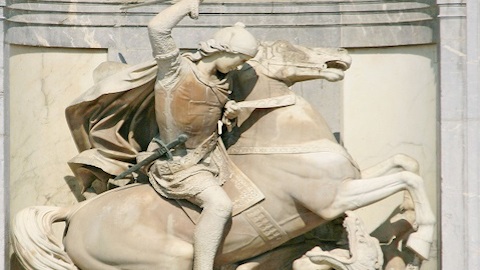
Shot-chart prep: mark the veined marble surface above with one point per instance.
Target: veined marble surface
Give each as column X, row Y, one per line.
column 43, row 81
column 102, row 24
column 389, row 107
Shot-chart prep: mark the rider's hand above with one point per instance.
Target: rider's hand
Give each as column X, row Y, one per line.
column 193, row 7
column 232, row 110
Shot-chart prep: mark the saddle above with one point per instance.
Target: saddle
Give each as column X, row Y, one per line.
column 246, row 198
column 241, row 190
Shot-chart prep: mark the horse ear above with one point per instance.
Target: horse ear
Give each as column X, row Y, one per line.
column 262, row 50
column 265, row 43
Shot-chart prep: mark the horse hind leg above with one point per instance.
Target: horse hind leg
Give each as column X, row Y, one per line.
column 353, row 194
column 141, row 248
column 174, row 257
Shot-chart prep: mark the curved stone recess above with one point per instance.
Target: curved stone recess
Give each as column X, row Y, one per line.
column 102, row 24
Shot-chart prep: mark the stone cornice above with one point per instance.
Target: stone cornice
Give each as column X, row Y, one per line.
column 349, row 23
column 451, row 9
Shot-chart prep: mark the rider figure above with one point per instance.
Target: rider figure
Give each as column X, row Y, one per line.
column 191, row 92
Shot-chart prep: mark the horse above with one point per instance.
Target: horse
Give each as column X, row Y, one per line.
column 288, row 152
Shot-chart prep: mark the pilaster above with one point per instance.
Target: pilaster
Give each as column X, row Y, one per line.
column 460, row 133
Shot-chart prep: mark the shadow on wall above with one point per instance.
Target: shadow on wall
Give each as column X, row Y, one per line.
column 15, row 263
column 75, row 187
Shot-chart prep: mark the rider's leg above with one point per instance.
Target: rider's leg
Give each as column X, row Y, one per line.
column 217, row 210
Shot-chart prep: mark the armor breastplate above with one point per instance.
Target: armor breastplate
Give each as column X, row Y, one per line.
column 190, row 107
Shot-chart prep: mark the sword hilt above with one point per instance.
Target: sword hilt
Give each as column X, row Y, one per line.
column 162, row 150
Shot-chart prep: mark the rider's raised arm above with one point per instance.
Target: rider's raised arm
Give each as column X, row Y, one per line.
column 164, row 49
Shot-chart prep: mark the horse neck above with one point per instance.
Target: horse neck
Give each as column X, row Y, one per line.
column 253, row 83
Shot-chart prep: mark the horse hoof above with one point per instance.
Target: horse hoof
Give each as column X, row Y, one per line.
column 420, row 242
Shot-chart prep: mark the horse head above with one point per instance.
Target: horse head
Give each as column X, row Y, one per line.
column 291, row 63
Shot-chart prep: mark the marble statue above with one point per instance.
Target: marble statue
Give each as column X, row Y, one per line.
column 277, row 168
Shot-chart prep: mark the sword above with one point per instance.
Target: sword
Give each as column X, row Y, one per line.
column 159, row 152
column 136, row 4
column 193, row 13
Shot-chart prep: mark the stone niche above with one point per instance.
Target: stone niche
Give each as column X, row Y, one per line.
column 386, row 104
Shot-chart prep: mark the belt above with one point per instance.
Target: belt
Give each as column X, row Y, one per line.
column 169, row 167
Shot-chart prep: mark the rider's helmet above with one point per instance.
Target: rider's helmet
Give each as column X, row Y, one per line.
column 237, row 39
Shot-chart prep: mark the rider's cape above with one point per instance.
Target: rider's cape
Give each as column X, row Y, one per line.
column 113, row 121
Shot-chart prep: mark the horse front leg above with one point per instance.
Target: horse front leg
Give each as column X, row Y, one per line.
column 353, row 194
column 396, row 163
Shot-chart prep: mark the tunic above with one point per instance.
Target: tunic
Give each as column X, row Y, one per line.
column 185, row 102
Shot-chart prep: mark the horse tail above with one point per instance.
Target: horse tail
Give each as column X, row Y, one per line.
column 34, row 242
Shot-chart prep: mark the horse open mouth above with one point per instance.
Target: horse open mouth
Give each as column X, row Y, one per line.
column 334, row 70
column 337, row 65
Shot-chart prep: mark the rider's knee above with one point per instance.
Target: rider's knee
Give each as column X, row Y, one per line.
column 220, row 205
column 223, row 207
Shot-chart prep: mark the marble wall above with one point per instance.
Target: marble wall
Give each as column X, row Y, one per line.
column 390, row 107
column 43, row 81
column 102, row 24
column 355, row 23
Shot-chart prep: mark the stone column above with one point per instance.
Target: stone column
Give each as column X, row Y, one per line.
column 3, row 169
column 460, row 133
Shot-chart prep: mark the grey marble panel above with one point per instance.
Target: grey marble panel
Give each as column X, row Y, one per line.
column 361, row 23
column 459, row 29
column 3, row 168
